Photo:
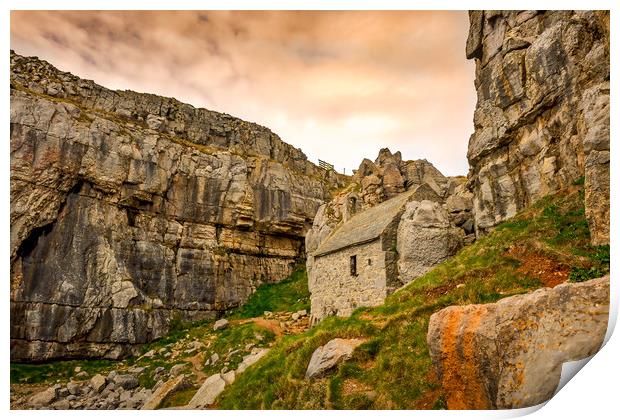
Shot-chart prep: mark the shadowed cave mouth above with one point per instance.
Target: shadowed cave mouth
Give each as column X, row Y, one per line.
column 30, row 243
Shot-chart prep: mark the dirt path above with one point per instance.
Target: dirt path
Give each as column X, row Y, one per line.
column 272, row 325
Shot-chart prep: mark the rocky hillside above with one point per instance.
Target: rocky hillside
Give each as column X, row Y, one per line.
column 385, row 361
column 542, row 116
column 130, row 210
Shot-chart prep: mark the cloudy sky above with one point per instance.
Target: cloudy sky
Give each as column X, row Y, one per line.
column 339, row 85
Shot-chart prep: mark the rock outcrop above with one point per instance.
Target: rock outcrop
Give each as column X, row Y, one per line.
column 129, row 210
column 509, row 354
column 425, row 238
column 388, row 176
column 330, row 355
column 542, row 116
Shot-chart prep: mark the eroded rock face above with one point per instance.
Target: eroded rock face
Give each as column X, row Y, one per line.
column 509, row 354
column 542, row 116
column 425, row 238
column 128, row 210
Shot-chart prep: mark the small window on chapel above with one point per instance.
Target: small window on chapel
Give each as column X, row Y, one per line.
column 369, row 261
column 353, row 264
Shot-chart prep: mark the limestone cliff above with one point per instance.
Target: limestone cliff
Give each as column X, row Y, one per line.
column 542, row 116
column 130, row 210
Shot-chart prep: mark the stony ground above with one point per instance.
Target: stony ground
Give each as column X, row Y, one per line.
column 167, row 374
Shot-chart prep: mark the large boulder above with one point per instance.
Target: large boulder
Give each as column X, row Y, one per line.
column 45, row 398
column 425, row 238
column 208, row 392
column 327, row 357
column 509, row 354
column 98, row 383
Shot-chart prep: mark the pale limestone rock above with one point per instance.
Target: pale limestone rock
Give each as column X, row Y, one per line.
column 509, row 354
column 425, row 238
column 176, row 369
column 173, row 385
column 126, row 381
column 45, row 398
column 542, row 117
column 229, row 377
column 98, row 383
column 250, row 359
column 208, row 392
column 220, row 324
column 330, row 355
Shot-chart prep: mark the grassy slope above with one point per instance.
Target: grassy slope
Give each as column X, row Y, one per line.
column 393, row 368
column 290, row 295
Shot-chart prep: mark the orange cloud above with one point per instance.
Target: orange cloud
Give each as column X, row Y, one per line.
column 340, row 85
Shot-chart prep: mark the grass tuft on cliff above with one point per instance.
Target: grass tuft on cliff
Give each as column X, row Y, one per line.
column 291, row 294
column 543, row 245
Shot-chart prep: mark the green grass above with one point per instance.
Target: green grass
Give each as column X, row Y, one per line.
column 56, row 371
column 236, row 339
column 290, row 295
column 178, row 398
column 394, row 361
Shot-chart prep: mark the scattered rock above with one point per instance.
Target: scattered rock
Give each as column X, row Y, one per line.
column 176, row 369
column 214, row 358
column 220, row 324
column 232, row 353
column 61, row 405
column 136, row 370
column 148, row 354
column 250, row 359
column 74, row 388
column 45, row 398
column 229, row 377
column 126, row 381
column 173, row 385
column 98, row 383
column 331, row 354
column 82, row 375
column 208, row 392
